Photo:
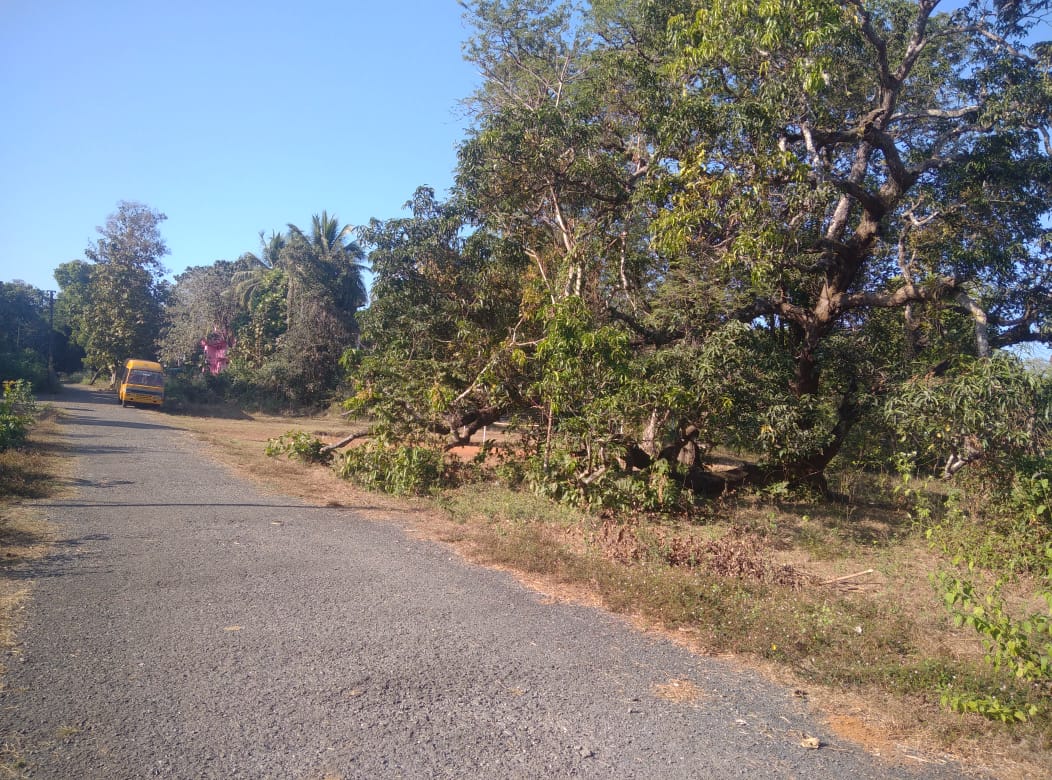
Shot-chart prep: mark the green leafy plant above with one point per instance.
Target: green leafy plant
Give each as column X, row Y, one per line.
column 1018, row 649
column 299, row 446
column 17, row 412
column 398, row 469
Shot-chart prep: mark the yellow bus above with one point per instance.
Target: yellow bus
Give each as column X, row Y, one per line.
column 142, row 383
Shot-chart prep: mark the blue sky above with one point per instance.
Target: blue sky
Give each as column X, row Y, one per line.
column 230, row 117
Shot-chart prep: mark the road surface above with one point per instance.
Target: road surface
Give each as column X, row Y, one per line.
column 189, row 625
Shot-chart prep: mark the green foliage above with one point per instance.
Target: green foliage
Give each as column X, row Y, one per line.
column 564, row 478
column 190, row 386
column 1031, row 498
column 17, row 412
column 389, row 468
column 434, row 351
column 658, row 488
column 679, row 227
column 781, row 229
column 991, row 534
column 299, row 446
column 27, row 364
column 989, row 416
column 203, row 301
column 288, row 315
column 25, row 334
column 114, row 303
column 302, row 296
column 578, row 364
column 1019, row 649
column 993, row 410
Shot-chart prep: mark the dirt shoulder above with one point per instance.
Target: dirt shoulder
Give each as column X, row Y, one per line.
column 39, row 469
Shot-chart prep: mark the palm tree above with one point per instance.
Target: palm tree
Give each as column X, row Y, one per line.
column 325, row 267
column 255, row 268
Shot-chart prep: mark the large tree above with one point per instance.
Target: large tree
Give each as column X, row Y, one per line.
column 744, row 224
column 120, row 290
column 850, row 160
column 203, row 300
column 444, row 310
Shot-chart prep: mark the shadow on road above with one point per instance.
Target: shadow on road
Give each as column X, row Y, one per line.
column 115, row 423
column 93, row 395
column 96, row 483
column 62, row 552
column 102, row 449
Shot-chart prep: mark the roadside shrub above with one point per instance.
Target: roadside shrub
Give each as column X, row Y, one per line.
column 27, row 365
column 195, row 387
column 298, row 445
column 985, row 415
column 17, row 411
column 1019, row 649
column 658, row 488
column 397, row 469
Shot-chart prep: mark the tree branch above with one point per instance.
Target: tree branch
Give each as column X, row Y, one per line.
column 942, row 289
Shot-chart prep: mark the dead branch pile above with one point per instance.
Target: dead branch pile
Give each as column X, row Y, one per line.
column 739, row 553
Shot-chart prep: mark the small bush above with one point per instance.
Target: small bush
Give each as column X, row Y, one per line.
column 658, row 488
column 397, row 469
column 17, row 412
column 298, row 446
column 1019, row 650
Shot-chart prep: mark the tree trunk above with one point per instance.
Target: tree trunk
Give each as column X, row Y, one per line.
column 810, row 471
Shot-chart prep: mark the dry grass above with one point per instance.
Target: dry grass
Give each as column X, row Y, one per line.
column 28, row 472
column 239, row 443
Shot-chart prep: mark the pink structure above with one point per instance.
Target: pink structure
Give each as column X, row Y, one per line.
column 216, row 347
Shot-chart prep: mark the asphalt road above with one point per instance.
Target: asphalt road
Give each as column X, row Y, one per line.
column 188, row 625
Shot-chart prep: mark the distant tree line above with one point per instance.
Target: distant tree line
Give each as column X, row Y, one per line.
column 288, row 312
column 30, row 334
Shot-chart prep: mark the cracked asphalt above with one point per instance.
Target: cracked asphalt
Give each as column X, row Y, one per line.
column 189, row 625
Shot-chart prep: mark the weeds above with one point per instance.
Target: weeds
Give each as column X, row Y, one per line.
column 17, row 412
column 398, row 469
column 298, row 446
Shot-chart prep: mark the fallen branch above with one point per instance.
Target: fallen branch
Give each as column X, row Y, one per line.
column 343, row 442
column 594, row 476
column 847, row 577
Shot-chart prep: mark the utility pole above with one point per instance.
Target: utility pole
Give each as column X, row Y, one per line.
column 51, row 383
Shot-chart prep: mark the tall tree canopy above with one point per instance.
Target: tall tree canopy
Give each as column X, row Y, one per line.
column 24, row 332
column 119, row 293
column 759, row 223
column 853, row 162
column 203, row 301
column 436, row 333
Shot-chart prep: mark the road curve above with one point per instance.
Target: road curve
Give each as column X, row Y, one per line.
column 188, row 625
